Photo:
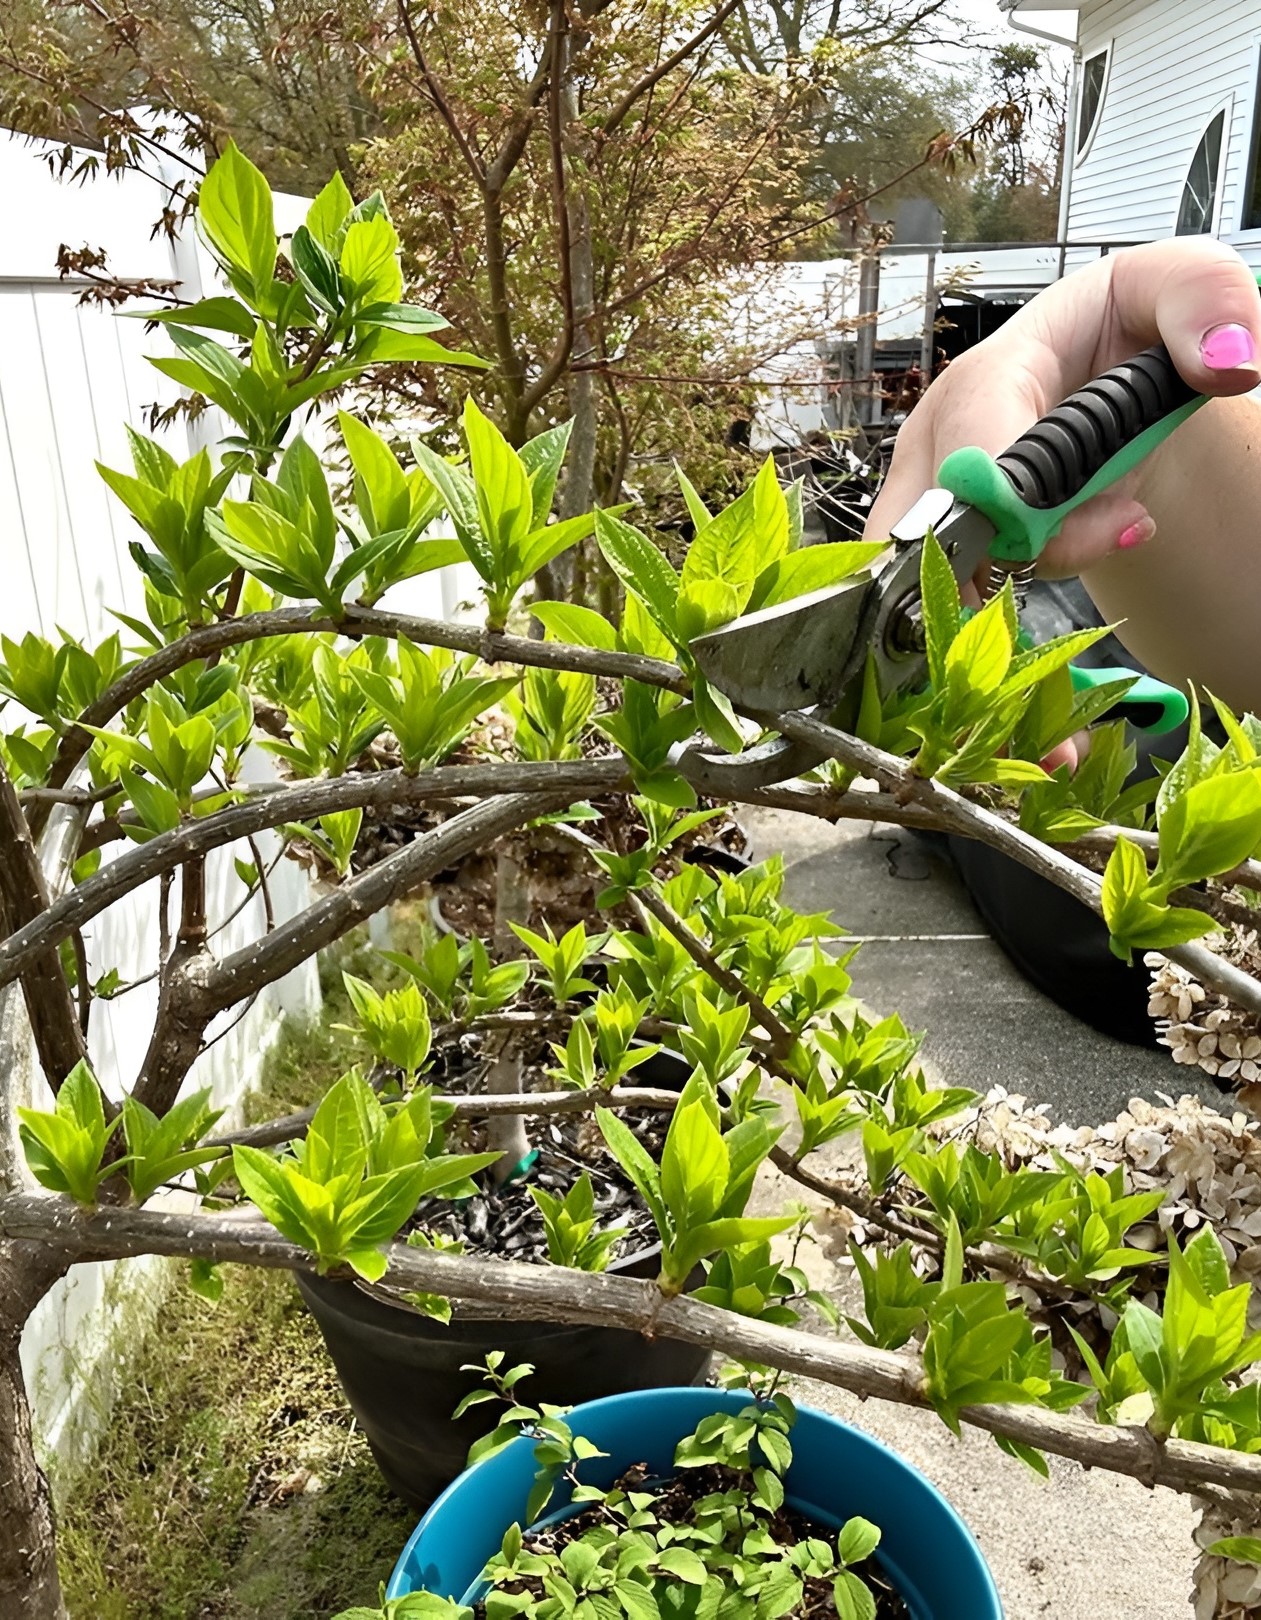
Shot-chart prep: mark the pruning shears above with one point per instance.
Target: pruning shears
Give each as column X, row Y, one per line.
column 811, row 653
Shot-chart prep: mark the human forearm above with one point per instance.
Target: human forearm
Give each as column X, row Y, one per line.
column 1190, row 598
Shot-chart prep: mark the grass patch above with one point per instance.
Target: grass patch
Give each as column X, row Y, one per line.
column 232, row 1483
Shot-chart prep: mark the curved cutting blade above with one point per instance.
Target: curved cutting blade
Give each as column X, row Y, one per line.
column 795, row 655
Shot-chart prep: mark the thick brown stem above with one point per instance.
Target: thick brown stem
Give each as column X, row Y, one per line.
column 550, row 1293
column 59, row 1038
column 305, row 802
column 192, row 934
column 29, row 1585
column 184, row 1009
column 198, row 988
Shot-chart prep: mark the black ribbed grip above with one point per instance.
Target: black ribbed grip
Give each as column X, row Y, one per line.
column 1061, row 453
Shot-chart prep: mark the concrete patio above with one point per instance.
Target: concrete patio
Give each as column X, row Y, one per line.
column 1081, row 1546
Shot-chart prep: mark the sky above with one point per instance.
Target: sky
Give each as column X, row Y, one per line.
column 986, row 17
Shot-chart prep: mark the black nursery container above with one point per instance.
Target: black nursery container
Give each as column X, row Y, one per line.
column 401, row 1372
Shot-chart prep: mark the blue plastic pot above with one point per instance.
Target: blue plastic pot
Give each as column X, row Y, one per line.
column 926, row 1549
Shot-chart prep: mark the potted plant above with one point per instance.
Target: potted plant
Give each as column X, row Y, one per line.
column 694, row 1501
column 582, row 1200
column 556, row 1193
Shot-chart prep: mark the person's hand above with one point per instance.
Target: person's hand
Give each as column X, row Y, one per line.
column 1188, row 604
column 1194, row 294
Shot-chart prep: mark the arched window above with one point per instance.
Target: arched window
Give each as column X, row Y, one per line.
column 1198, row 210
column 1094, row 81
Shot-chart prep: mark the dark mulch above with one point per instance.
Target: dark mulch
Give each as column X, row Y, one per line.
column 505, row 1221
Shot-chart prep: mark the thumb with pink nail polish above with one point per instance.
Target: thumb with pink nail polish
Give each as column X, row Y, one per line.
column 1228, row 347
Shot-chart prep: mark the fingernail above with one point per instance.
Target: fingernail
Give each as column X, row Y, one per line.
column 1226, row 347
column 1136, row 534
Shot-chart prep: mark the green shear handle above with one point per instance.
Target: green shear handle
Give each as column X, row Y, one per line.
column 1077, row 451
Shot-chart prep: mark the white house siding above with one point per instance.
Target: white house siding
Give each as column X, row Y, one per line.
column 71, row 376
column 1174, row 64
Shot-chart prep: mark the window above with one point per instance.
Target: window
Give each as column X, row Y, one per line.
column 1198, row 208
column 1094, row 78
column 1252, row 185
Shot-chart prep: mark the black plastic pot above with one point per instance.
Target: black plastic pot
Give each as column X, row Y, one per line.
column 402, row 1372
column 1057, row 943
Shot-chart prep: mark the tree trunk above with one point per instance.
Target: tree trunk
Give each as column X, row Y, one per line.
column 579, row 490
column 557, row 578
column 30, row 1588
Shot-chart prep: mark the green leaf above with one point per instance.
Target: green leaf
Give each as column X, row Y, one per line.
column 715, row 715
column 1124, row 878
column 503, row 494
column 1243, row 1549
column 582, row 626
column 642, row 569
column 813, row 568
column 370, row 1264
column 979, row 657
column 1212, row 827
column 633, row 1158
column 408, row 318
column 858, row 1539
column 234, row 210
column 542, row 457
column 683, row 1564
column 369, row 260
column 392, row 345
column 1028, row 668
column 548, row 542
column 857, row 1602
column 738, row 542
column 317, row 270
column 1144, row 1336
column 458, row 495
column 378, row 475
column 697, row 510
column 939, row 592
column 207, row 314
column 206, row 1279
column 694, row 1166
column 1135, row 920
column 326, row 218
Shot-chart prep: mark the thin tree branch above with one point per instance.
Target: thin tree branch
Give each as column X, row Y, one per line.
column 439, row 98
column 956, row 814
column 353, row 622
column 551, row 1293
column 782, row 1038
column 541, row 1104
column 622, row 107
column 558, row 56
column 381, row 790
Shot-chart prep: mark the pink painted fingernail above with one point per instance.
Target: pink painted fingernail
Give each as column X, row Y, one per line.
column 1136, row 534
column 1226, row 347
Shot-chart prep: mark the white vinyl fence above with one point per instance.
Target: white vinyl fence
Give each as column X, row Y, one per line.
column 71, row 377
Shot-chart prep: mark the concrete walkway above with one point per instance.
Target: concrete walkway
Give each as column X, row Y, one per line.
column 1081, row 1546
